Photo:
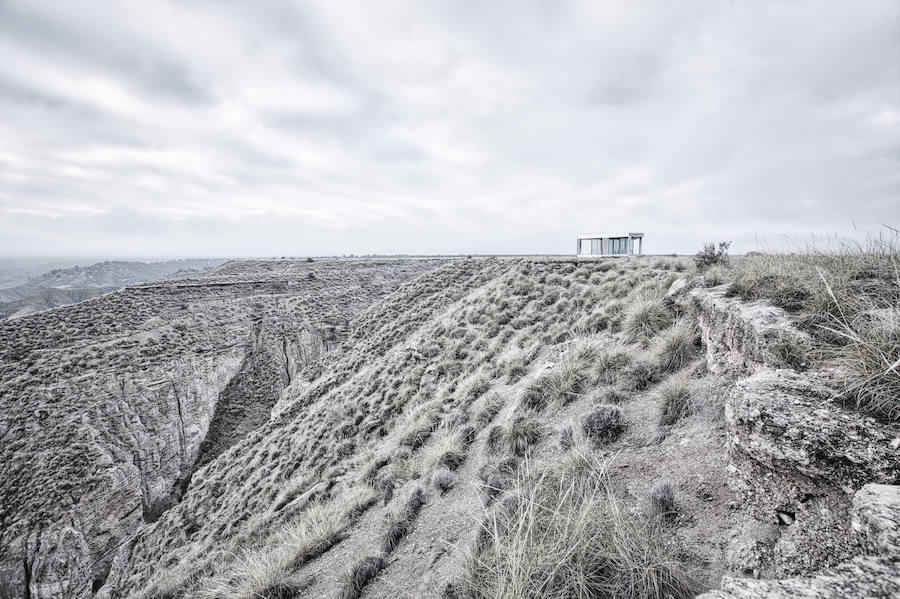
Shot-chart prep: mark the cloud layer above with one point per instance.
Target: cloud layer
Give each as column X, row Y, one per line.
column 318, row 128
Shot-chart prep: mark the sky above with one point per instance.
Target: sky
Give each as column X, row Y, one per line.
column 318, row 128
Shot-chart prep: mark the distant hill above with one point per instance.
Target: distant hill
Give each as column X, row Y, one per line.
column 63, row 286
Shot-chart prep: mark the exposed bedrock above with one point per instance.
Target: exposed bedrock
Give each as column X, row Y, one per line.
column 876, row 573
column 741, row 337
column 122, row 465
column 107, row 406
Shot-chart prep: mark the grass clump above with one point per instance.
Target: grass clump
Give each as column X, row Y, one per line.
column 566, row 534
column 848, row 298
column 362, row 573
column 676, row 397
column 523, row 432
column 645, row 318
column 397, row 525
column 442, row 480
column 604, row 423
column 661, row 501
column 677, row 346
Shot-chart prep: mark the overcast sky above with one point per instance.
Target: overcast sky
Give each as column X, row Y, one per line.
column 269, row 128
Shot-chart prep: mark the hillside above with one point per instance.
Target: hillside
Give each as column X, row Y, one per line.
column 63, row 286
column 498, row 428
column 107, row 406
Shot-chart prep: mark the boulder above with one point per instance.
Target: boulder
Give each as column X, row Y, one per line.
column 742, row 337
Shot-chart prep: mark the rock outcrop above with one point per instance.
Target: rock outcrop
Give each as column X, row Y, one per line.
column 741, row 337
column 788, row 421
column 876, row 519
column 796, row 457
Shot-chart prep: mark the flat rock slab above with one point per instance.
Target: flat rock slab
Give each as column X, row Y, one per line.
column 785, row 420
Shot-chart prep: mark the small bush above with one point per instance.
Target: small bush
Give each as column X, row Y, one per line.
column 638, row 375
column 711, row 255
column 604, row 423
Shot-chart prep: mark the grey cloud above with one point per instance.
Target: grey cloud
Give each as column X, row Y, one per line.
column 291, row 128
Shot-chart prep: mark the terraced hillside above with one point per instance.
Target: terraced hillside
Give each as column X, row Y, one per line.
column 541, row 428
column 106, row 406
column 63, row 286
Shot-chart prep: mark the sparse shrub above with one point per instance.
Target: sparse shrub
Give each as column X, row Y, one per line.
column 662, row 500
column 710, row 255
column 638, row 375
column 604, row 423
column 645, row 318
column 442, row 480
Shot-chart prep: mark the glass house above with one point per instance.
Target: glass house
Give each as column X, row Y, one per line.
column 631, row 244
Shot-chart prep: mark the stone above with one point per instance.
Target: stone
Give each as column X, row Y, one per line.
column 876, row 519
column 681, row 286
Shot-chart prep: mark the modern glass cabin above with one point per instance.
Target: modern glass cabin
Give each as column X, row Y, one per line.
column 631, row 244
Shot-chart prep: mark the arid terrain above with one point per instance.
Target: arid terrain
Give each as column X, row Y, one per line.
column 62, row 286
column 644, row 427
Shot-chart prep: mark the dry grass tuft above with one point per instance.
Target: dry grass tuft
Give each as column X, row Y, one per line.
column 397, row 525
column 565, row 534
column 362, row 573
column 645, row 318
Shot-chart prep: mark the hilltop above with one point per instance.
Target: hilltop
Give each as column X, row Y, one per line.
column 521, row 427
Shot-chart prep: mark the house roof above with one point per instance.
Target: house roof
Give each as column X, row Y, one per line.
column 607, row 236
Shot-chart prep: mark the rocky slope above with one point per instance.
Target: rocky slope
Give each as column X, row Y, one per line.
column 106, row 405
